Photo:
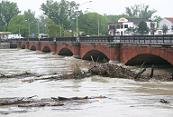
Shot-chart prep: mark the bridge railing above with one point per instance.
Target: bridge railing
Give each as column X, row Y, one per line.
column 148, row 39
column 95, row 39
column 135, row 39
column 66, row 39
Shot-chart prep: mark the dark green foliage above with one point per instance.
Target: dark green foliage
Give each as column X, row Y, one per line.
column 25, row 24
column 18, row 25
column 8, row 10
column 53, row 29
column 90, row 23
column 140, row 11
column 60, row 12
column 142, row 28
column 165, row 29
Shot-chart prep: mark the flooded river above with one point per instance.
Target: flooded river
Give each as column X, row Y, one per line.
column 126, row 98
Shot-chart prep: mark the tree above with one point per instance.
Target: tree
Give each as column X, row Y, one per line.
column 142, row 28
column 140, row 11
column 152, row 28
column 61, row 13
column 157, row 19
column 26, row 24
column 53, row 29
column 42, row 23
column 32, row 23
column 90, row 22
column 8, row 10
column 165, row 29
column 133, row 11
column 18, row 25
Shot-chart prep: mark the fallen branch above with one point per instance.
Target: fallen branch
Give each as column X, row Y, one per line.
column 139, row 74
column 76, row 98
column 30, row 102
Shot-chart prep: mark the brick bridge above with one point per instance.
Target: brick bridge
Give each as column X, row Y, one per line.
column 125, row 49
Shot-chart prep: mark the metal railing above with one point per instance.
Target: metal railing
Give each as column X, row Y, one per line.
column 135, row 39
column 148, row 39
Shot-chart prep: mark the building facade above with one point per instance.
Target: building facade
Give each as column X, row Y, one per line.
column 126, row 26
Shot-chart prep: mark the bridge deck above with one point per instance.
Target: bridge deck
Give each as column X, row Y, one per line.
column 137, row 39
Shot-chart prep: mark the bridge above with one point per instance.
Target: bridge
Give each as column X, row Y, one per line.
column 130, row 50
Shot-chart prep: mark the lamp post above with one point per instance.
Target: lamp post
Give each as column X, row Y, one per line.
column 19, row 32
column 38, row 27
column 77, row 24
column 29, row 28
column 98, row 26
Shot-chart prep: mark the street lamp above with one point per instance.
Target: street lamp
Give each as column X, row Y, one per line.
column 29, row 28
column 19, row 32
column 77, row 24
column 38, row 27
column 98, row 26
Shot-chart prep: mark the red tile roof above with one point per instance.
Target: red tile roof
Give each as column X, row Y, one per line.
column 170, row 19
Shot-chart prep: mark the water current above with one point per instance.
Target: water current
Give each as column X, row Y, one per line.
column 126, row 98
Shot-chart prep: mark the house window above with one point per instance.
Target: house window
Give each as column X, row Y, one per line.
column 121, row 26
column 172, row 28
column 126, row 26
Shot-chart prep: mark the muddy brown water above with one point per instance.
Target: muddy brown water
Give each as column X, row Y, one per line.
column 126, row 98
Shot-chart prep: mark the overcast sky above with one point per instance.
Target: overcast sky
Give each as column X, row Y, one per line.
column 164, row 7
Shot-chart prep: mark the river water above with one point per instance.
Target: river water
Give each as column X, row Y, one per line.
column 126, row 98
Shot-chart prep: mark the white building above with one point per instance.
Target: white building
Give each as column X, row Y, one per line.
column 169, row 23
column 123, row 26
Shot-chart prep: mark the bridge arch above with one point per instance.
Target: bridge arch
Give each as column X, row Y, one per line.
column 95, row 55
column 147, row 59
column 23, row 46
column 65, row 52
column 33, row 48
column 46, row 49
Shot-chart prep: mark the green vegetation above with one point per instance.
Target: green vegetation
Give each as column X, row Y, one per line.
column 140, row 11
column 165, row 29
column 8, row 10
column 142, row 28
column 64, row 18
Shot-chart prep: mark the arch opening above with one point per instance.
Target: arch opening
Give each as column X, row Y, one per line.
column 96, row 56
column 65, row 52
column 23, row 46
column 46, row 49
column 33, row 48
column 148, row 60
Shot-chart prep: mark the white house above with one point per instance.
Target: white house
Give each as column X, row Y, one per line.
column 123, row 25
column 168, row 22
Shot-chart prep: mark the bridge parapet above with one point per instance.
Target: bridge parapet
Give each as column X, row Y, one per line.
column 147, row 39
column 135, row 39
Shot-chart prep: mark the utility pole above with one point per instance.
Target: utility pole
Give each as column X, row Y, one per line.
column 77, row 19
column 38, row 28
column 98, row 26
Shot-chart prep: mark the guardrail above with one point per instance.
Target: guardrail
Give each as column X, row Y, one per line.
column 135, row 39
column 148, row 39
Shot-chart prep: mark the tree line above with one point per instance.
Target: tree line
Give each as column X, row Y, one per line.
column 64, row 19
